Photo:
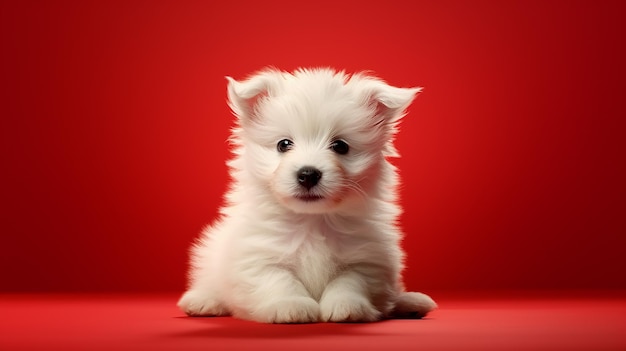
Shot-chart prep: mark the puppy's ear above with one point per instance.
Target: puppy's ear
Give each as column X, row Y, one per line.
column 245, row 96
column 389, row 105
column 390, row 102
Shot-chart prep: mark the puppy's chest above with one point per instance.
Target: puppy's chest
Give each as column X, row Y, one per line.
column 316, row 263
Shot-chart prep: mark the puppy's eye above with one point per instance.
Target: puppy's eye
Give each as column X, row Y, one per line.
column 339, row 146
column 284, row 145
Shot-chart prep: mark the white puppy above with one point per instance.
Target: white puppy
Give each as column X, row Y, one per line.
column 308, row 232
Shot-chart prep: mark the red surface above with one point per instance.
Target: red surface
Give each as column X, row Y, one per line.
column 114, row 126
column 152, row 322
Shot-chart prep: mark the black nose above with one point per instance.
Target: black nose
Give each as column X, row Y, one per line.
column 308, row 177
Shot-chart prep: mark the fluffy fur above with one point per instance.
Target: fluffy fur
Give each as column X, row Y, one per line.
column 289, row 248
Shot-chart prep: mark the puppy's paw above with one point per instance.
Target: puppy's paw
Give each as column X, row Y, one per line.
column 194, row 303
column 349, row 307
column 413, row 305
column 295, row 309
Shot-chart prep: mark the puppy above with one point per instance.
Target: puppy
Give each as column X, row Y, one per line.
column 309, row 229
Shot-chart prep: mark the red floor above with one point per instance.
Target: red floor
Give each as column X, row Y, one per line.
column 152, row 322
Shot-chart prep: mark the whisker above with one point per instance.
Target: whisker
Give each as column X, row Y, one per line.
column 356, row 187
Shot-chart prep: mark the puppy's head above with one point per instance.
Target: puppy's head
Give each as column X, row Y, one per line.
column 317, row 138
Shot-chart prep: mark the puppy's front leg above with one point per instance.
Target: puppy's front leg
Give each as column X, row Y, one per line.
column 277, row 296
column 346, row 299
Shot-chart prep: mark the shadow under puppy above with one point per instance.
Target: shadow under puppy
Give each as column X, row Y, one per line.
column 308, row 232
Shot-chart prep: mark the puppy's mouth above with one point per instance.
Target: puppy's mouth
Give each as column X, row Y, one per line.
column 309, row 197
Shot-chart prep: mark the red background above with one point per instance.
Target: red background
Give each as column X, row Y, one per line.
column 114, row 126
